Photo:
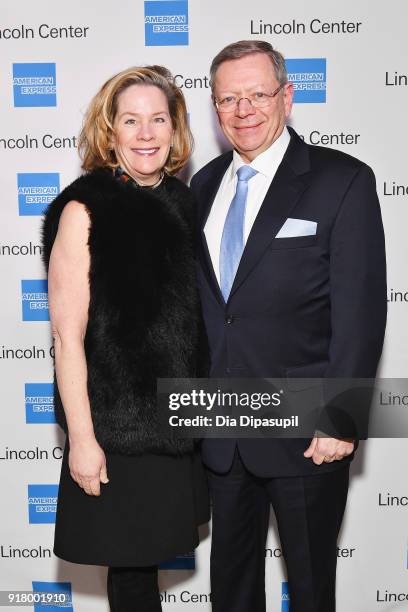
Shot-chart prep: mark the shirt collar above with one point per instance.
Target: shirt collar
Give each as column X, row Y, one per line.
column 267, row 162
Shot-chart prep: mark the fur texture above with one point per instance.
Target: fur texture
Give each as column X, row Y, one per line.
column 144, row 320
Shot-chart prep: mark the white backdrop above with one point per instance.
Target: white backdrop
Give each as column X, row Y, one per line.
column 365, row 47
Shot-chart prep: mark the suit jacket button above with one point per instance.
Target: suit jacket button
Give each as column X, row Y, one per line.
column 229, row 319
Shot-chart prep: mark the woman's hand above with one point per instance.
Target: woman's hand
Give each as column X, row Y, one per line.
column 87, row 464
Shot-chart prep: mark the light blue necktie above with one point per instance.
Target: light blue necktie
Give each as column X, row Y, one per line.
column 232, row 241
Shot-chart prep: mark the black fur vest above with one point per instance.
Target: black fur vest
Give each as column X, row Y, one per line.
column 144, row 320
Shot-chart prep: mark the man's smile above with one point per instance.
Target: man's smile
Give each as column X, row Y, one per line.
column 247, row 128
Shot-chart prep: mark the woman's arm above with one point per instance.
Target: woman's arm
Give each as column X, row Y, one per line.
column 68, row 286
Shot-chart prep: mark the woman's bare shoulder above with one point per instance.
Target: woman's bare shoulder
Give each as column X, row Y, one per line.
column 74, row 221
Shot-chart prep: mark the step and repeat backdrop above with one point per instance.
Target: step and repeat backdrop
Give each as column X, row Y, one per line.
column 349, row 63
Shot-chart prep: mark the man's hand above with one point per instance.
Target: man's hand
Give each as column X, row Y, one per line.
column 328, row 449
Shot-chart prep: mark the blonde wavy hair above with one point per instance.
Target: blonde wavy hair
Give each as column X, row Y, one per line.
column 95, row 139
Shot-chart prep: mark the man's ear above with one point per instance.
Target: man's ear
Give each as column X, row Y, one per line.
column 288, row 98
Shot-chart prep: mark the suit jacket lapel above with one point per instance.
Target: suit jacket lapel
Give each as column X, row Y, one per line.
column 289, row 183
column 210, row 189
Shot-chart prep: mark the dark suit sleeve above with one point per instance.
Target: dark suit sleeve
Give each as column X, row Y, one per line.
column 194, row 184
column 203, row 362
column 358, row 296
column 358, row 292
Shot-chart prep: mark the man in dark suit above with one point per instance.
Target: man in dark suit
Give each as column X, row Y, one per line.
column 292, row 283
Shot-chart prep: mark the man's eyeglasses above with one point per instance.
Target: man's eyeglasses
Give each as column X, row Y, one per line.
column 258, row 99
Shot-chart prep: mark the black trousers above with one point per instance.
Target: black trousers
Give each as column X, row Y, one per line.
column 133, row 589
column 309, row 511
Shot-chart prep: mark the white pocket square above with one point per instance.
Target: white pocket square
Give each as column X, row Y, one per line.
column 297, row 227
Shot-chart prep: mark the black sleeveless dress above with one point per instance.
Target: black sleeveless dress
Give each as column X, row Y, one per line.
column 148, row 513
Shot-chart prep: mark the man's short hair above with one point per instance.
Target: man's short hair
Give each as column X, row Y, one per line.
column 243, row 48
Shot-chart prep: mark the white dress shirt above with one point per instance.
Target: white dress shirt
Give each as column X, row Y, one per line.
column 266, row 165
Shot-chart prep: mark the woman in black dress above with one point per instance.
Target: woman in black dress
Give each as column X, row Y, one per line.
column 124, row 312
